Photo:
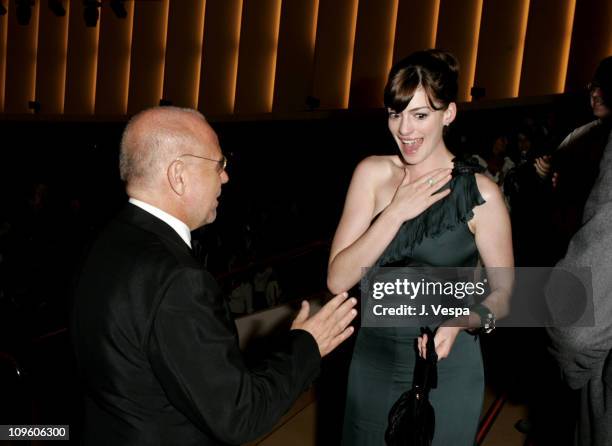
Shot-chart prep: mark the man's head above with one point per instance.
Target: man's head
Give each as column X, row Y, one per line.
column 601, row 89
column 170, row 158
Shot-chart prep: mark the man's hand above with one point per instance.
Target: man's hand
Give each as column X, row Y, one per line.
column 329, row 327
column 542, row 166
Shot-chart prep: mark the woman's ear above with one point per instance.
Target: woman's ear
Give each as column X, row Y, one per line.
column 449, row 113
column 176, row 177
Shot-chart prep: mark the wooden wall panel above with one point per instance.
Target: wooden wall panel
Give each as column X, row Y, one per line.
column 591, row 41
column 295, row 59
column 334, row 52
column 184, row 52
column 82, row 64
column 458, row 32
column 3, row 38
column 374, row 38
column 147, row 55
column 549, row 30
column 51, row 60
column 220, row 59
column 416, row 28
column 257, row 56
column 22, row 42
column 114, row 61
column 500, row 47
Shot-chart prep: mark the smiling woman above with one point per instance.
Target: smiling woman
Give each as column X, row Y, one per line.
column 419, row 207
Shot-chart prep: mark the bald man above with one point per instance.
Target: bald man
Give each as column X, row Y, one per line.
column 155, row 344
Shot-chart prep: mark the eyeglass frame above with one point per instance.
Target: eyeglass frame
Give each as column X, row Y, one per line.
column 222, row 163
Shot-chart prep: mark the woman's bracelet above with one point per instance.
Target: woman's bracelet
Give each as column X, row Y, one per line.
column 487, row 318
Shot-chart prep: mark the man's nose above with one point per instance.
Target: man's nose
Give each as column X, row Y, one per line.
column 224, row 177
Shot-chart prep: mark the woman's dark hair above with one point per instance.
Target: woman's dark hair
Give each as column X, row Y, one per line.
column 603, row 79
column 436, row 71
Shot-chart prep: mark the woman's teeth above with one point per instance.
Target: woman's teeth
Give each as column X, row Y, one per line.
column 411, row 142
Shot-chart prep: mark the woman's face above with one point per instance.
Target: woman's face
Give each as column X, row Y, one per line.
column 417, row 129
column 600, row 109
column 523, row 142
column 500, row 145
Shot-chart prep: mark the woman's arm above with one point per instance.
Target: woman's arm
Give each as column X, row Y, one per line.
column 358, row 243
column 493, row 235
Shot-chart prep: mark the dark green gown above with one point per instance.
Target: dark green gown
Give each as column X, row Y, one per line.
column 383, row 359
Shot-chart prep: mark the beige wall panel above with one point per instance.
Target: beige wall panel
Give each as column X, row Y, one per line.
column 416, row 28
column 3, row 36
column 220, row 57
column 458, row 32
column 184, row 52
column 334, row 52
column 148, row 54
column 294, row 62
column 500, row 47
column 51, row 60
column 22, row 44
column 257, row 56
column 374, row 39
column 591, row 41
column 549, row 30
column 82, row 63
column 114, row 61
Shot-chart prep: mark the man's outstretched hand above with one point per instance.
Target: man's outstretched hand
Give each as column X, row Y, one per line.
column 330, row 325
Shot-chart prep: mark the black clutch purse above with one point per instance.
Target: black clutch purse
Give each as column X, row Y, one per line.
column 412, row 419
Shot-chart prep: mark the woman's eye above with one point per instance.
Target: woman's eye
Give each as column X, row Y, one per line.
column 393, row 115
column 420, row 115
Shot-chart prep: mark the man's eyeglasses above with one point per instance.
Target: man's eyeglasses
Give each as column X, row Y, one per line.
column 221, row 164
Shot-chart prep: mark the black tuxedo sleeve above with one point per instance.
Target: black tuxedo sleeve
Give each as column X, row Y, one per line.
column 194, row 353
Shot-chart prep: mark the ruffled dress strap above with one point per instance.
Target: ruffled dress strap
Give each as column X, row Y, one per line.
column 455, row 209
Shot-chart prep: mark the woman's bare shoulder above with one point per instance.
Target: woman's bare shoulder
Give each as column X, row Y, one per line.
column 488, row 189
column 378, row 167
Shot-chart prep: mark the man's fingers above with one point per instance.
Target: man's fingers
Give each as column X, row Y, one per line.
column 346, row 319
column 330, row 307
column 339, row 339
column 303, row 313
column 345, row 308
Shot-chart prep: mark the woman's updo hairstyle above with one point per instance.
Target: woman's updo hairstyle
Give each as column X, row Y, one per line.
column 436, row 71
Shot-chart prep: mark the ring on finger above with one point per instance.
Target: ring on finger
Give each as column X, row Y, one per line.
column 431, row 182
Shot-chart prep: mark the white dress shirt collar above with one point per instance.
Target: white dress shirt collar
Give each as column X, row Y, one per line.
column 181, row 228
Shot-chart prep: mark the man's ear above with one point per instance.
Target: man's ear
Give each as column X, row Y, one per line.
column 176, row 177
column 450, row 113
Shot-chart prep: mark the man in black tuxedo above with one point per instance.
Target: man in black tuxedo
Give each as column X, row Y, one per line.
column 155, row 344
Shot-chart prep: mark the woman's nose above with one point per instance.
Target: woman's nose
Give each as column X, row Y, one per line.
column 405, row 127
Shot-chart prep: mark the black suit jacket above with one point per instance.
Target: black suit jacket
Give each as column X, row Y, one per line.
column 158, row 352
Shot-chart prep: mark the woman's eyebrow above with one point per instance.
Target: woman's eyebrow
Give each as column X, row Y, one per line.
column 418, row 108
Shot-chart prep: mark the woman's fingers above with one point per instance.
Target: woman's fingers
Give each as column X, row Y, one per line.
column 422, row 345
column 438, row 196
column 434, row 176
column 412, row 198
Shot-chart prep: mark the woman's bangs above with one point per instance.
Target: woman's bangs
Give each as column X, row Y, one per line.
column 400, row 91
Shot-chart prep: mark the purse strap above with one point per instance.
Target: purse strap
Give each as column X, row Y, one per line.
column 426, row 369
